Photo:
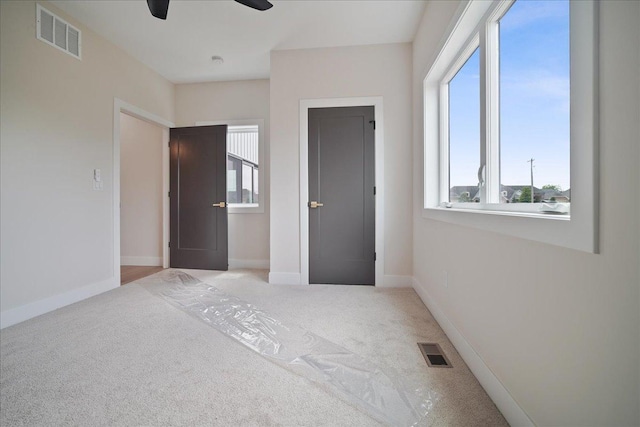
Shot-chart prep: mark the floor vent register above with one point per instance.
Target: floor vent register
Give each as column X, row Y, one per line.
column 434, row 355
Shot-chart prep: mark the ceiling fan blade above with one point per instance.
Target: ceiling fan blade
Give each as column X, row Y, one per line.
column 158, row 8
column 256, row 4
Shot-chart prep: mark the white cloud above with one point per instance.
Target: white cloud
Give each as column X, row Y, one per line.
column 539, row 84
column 530, row 11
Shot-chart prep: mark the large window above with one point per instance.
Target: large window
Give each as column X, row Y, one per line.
column 511, row 118
column 464, row 131
column 525, row 113
column 533, row 76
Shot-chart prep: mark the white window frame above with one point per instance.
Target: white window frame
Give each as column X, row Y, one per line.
column 476, row 22
column 247, row 208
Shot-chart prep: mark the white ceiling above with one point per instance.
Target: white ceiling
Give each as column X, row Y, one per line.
column 181, row 47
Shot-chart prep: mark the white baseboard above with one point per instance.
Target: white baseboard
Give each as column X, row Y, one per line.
column 147, row 261
column 390, row 281
column 256, row 264
column 284, row 278
column 513, row 413
column 36, row 308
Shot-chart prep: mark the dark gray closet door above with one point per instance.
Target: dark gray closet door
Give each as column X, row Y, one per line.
column 341, row 195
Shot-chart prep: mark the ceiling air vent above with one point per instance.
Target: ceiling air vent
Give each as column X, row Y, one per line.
column 57, row 32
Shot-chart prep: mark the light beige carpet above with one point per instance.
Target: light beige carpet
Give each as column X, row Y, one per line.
column 128, row 357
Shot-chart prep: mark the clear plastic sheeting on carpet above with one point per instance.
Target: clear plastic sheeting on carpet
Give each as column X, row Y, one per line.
column 381, row 392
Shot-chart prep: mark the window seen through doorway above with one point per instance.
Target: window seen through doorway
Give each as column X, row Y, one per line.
column 243, row 165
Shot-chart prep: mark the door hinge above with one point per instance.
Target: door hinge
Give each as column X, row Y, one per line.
column 374, row 124
column 375, row 256
column 374, row 190
column 169, row 194
column 169, row 244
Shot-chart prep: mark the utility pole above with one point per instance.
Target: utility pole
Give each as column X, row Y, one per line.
column 531, row 160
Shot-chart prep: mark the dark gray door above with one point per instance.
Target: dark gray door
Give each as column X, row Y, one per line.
column 198, row 185
column 341, row 196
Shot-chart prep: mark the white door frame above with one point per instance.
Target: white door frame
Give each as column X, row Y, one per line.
column 305, row 105
column 120, row 106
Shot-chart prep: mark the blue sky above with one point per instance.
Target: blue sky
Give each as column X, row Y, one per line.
column 534, row 99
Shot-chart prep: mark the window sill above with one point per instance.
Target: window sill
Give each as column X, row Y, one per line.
column 245, row 208
column 531, row 213
column 553, row 229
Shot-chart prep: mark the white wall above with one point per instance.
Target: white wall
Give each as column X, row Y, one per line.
column 377, row 70
column 248, row 99
column 57, row 126
column 141, row 146
column 564, row 339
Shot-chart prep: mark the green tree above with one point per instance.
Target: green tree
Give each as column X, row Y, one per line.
column 552, row 187
column 525, row 196
column 464, row 197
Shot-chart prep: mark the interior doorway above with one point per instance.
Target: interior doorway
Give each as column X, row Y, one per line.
column 141, row 217
column 131, row 273
column 163, row 125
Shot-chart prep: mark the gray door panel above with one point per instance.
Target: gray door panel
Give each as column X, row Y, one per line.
column 198, row 168
column 342, row 178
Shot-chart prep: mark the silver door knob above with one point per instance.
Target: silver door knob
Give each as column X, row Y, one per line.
column 219, row 205
column 314, row 205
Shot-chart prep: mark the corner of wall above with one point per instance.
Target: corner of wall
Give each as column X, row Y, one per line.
column 392, row 281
